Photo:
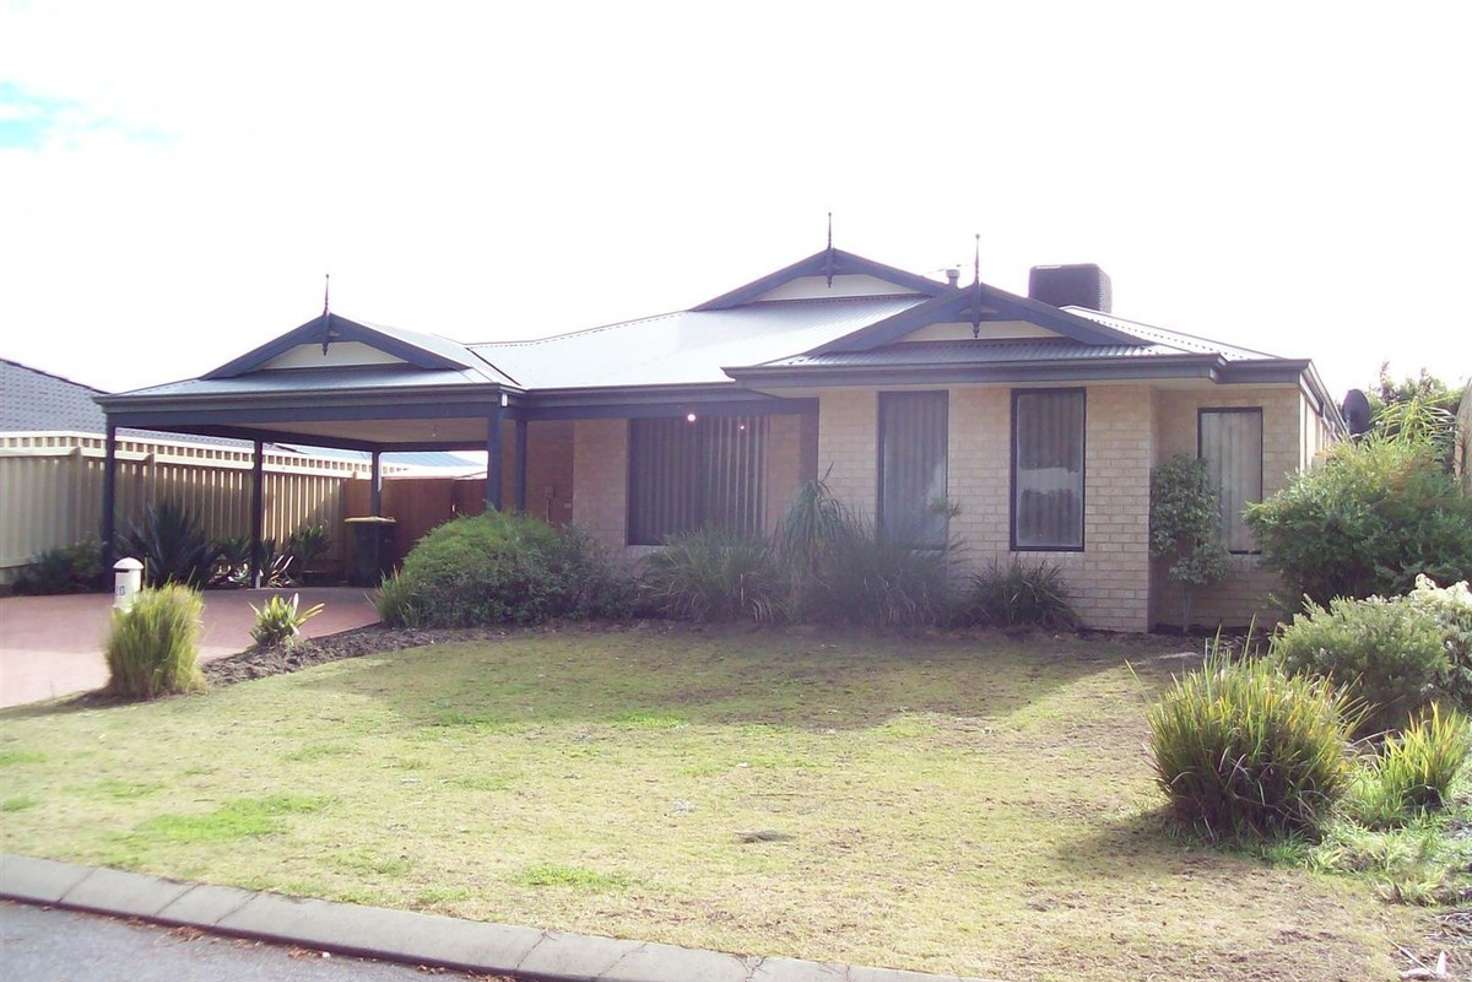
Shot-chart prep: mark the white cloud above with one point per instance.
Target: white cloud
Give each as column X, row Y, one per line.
column 1287, row 178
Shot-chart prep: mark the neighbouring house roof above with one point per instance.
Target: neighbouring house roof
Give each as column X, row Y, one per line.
column 830, row 318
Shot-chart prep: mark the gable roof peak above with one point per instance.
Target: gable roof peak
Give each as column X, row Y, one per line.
column 828, row 262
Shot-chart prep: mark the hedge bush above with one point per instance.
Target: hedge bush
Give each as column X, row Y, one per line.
column 503, row 568
column 1374, row 515
column 152, row 648
column 1387, row 652
column 1243, row 748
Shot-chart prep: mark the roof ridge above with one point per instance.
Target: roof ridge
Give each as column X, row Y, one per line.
column 59, row 378
column 472, row 345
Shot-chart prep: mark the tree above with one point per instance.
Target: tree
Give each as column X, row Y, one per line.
column 1185, row 526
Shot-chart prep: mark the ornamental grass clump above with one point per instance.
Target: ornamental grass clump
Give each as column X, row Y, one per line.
column 1243, row 749
column 715, row 575
column 152, row 648
column 1020, row 594
column 1416, row 767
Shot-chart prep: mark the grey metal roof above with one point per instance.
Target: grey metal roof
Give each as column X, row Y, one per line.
column 1173, row 339
column 687, row 347
column 377, row 377
column 911, row 353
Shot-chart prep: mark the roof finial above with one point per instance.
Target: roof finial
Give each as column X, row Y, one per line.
column 976, row 291
column 326, row 311
column 828, row 263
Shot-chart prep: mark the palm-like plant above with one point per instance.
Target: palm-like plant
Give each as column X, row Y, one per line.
column 172, row 545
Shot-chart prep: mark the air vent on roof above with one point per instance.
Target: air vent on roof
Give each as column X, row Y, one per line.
column 1073, row 285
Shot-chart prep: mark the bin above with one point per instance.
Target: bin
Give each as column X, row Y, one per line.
column 373, row 549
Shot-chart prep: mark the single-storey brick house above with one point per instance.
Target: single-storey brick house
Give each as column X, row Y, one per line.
column 1017, row 425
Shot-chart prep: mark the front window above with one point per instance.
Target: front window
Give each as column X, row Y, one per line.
column 1230, row 442
column 687, row 473
column 912, row 468
column 1048, row 469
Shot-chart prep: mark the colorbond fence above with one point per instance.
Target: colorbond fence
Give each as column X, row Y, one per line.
column 51, row 490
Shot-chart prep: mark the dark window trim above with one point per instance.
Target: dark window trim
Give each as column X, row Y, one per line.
column 1262, row 450
column 1083, row 498
column 879, row 459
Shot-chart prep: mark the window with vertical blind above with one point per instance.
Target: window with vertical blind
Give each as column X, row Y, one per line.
column 684, row 475
column 1048, row 469
column 1230, row 442
column 912, row 468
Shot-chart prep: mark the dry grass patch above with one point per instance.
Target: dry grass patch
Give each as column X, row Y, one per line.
column 976, row 806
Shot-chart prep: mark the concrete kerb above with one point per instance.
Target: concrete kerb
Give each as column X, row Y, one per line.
column 403, row 936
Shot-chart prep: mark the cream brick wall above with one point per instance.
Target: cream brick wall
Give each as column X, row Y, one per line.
column 1286, row 448
column 600, row 474
column 1110, row 579
column 848, row 441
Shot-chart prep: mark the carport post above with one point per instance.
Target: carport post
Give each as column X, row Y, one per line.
column 493, row 459
column 521, row 465
column 257, row 512
column 109, row 496
column 375, row 485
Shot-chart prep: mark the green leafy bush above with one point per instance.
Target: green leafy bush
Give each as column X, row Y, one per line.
column 715, row 575
column 499, row 568
column 306, row 546
column 172, row 545
column 1185, row 526
column 1242, row 748
column 279, row 621
column 153, row 647
column 1389, row 653
column 1020, row 593
column 1415, row 768
column 1368, row 520
column 1451, row 608
column 65, row 569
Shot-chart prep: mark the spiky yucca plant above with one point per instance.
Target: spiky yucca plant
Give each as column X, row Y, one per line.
column 153, row 647
column 1241, row 748
column 279, row 621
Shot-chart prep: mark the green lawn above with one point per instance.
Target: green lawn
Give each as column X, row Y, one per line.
column 979, row 806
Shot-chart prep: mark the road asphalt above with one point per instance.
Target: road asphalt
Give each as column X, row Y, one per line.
column 40, row 944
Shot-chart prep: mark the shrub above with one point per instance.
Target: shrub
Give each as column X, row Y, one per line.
column 1373, row 516
column 844, row 571
column 1243, row 748
column 1388, row 652
column 1451, row 608
column 714, row 575
column 65, row 569
column 279, row 621
column 1185, row 526
column 306, row 546
column 1415, row 768
column 502, row 567
column 172, row 545
column 1021, row 593
column 152, row 647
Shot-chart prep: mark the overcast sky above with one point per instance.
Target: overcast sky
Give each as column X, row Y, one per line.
column 175, row 179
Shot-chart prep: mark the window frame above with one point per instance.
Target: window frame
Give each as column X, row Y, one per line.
column 879, row 463
column 1262, row 450
column 1083, row 491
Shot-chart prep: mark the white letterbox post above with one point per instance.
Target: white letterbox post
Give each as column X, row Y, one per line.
column 127, row 577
